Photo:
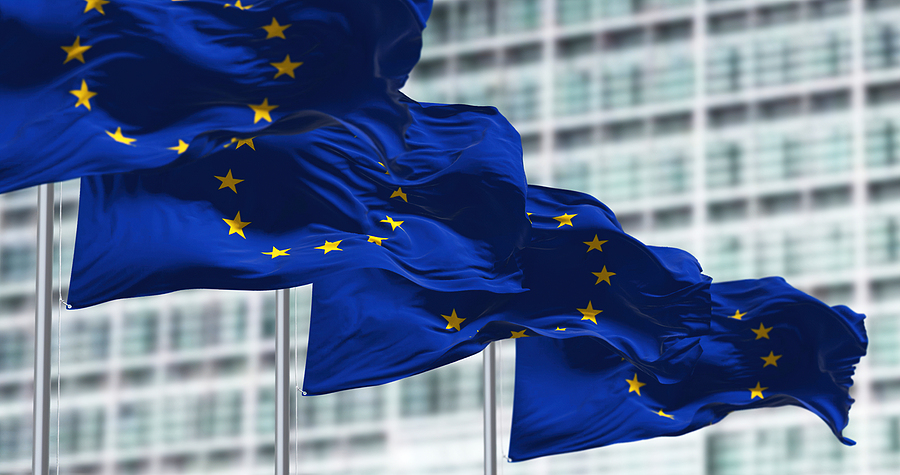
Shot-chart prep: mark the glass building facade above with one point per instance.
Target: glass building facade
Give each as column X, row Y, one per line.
column 763, row 136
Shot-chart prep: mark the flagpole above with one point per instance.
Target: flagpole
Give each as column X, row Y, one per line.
column 42, row 322
column 282, row 381
column 490, row 409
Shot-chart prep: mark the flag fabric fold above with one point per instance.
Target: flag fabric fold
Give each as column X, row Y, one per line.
column 586, row 279
column 443, row 207
column 769, row 345
column 109, row 87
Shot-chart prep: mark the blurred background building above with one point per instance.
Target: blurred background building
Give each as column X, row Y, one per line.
column 763, row 136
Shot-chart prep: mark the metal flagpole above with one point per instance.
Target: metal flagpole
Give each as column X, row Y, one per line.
column 42, row 323
column 490, row 409
column 282, row 381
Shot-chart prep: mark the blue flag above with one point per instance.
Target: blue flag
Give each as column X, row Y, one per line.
column 95, row 87
column 444, row 207
column 769, row 345
column 587, row 279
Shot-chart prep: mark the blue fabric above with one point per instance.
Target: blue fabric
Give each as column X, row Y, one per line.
column 461, row 201
column 166, row 71
column 370, row 328
column 573, row 395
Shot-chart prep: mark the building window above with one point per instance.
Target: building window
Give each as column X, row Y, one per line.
column 359, row 405
column 206, row 416
column 672, row 173
column 475, row 19
column 725, row 69
column 728, row 23
column 620, row 178
column 84, row 340
column 883, row 144
column 727, row 257
column 17, row 263
column 573, row 91
column 522, row 100
column 569, row 12
column 210, row 324
column 883, row 240
column 623, row 131
column 791, row 158
column 614, row 8
column 623, row 86
column 882, row 46
column 671, row 81
column 140, row 333
column 449, row 389
column 733, row 69
column 519, row 15
column 265, row 409
column 775, row 62
column 18, row 217
column 780, row 156
column 15, row 350
column 724, row 165
column 15, row 437
column 134, row 424
column 884, row 329
column 893, row 434
column 80, row 430
column 318, row 411
column 438, row 31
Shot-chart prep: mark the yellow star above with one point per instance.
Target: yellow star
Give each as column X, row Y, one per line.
column 238, row 5
column 84, row 96
column 738, row 315
column 595, row 244
column 76, row 51
column 519, row 334
column 399, row 194
column 286, row 67
column 757, row 391
column 453, row 321
column 275, row 30
column 772, row 359
column 376, row 240
column 761, row 332
column 603, row 276
column 560, row 329
column 180, row 148
column 95, row 5
column 277, row 252
column 228, row 181
column 663, row 414
column 635, row 385
column 236, row 225
column 589, row 313
column 394, row 224
column 240, row 142
column 386, row 172
column 118, row 137
column 261, row 111
column 565, row 219
column 330, row 246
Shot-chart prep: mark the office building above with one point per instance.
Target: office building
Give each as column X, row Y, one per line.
column 763, row 136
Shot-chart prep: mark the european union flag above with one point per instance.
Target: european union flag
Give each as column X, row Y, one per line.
column 587, row 279
column 769, row 345
column 94, row 87
column 443, row 207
